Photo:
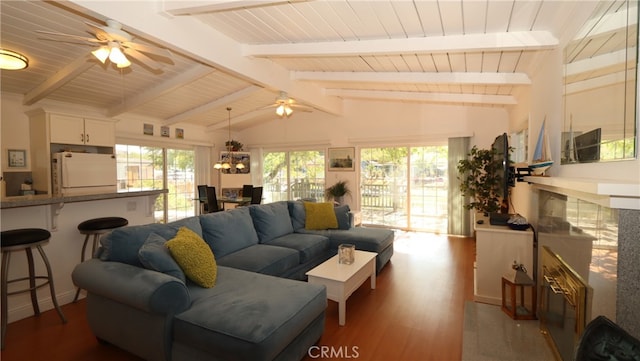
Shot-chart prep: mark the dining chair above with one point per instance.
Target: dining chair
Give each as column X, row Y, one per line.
column 212, row 201
column 256, row 195
column 202, row 197
column 246, row 190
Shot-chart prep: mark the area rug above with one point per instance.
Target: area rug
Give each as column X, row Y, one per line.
column 489, row 334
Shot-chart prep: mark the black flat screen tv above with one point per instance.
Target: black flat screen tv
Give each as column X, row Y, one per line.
column 587, row 146
column 505, row 170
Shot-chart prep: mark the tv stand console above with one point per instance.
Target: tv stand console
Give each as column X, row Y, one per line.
column 497, row 247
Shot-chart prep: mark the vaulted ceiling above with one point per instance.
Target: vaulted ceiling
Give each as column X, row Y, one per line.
column 242, row 54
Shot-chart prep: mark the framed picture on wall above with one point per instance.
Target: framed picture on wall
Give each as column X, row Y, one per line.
column 17, row 158
column 342, row 159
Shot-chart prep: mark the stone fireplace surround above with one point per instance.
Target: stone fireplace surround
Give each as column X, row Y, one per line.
column 625, row 197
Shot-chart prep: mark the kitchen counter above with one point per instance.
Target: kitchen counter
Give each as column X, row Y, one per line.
column 61, row 216
column 45, row 199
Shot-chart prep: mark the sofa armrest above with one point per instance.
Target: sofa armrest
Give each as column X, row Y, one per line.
column 137, row 287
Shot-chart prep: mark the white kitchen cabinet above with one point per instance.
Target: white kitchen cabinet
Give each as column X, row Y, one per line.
column 65, row 129
column 52, row 132
column 497, row 247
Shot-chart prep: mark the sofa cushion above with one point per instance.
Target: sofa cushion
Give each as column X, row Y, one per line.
column 271, row 220
column 297, row 214
column 229, row 231
column 248, row 323
column 122, row 244
column 155, row 255
column 310, row 246
column 194, row 257
column 365, row 239
column 320, row 216
column 342, row 215
column 262, row 258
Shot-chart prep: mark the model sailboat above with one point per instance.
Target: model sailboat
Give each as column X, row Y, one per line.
column 542, row 154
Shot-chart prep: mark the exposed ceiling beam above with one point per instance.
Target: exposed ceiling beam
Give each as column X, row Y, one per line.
column 415, row 77
column 172, row 84
column 617, row 58
column 189, row 7
column 241, row 118
column 181, row 33
column 225, row 100
column 508, row 41
column 62, row 77
column 594, row 83
column 606, row 24
column 424, row 97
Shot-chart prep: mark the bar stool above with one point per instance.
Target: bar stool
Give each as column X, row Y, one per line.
column 26, row 239
column 96, row 227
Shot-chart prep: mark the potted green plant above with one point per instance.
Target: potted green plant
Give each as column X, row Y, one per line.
column 480, row 179
column 337, row 191
column 234, row 145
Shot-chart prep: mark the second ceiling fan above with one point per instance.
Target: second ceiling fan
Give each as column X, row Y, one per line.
column 285, row 105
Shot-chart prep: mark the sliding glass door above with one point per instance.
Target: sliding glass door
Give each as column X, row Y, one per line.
column 152, row 168
column 293, row 175
column 404, row 187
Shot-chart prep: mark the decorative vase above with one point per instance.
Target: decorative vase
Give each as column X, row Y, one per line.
column 346, row 253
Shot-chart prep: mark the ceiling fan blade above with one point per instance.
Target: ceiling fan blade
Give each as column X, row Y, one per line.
column 142, row 58
column 302, row 107
column 75, row 37
column 111, row 32
column 268, row 106
column 160, row 52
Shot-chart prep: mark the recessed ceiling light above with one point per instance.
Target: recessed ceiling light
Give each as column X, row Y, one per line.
column 10, row 60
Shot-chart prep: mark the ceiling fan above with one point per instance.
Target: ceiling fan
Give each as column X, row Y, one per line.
column 115, row 44
column 285, row 105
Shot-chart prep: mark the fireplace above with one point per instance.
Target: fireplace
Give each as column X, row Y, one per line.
column 607, row 210
column 577, row 268
column 565, row 304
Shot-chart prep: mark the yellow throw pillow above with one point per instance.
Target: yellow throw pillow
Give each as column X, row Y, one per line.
column 194, row 256
column 320, row 216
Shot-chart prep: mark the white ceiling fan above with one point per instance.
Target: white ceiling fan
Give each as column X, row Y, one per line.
column 115, row 44
column 285, row 105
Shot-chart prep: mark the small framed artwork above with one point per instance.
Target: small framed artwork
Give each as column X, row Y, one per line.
column 148, row 129
column 164, row 131
column 342, row 159
column 17, row 158
column 179, row 133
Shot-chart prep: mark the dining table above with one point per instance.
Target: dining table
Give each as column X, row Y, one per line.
column 241, row 201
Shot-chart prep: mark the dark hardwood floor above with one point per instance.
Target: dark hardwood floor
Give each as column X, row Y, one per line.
column 415, row 313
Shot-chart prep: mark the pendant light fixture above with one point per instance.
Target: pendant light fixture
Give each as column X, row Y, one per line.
column 228, row 164
column 11, row 60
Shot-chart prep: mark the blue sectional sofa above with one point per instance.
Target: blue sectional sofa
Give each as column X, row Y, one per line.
column 258, row 308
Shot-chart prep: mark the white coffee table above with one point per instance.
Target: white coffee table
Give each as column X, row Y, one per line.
column 341, row 280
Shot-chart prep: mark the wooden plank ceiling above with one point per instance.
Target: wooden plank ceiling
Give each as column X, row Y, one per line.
column 244, row 53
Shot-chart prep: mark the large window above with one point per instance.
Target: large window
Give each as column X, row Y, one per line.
column 405, row 187
column 293, row 175
column 152, row 168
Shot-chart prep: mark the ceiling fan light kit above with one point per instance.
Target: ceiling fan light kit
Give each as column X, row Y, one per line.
column 11, row 60
column 284, row 110
column 113, row 53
